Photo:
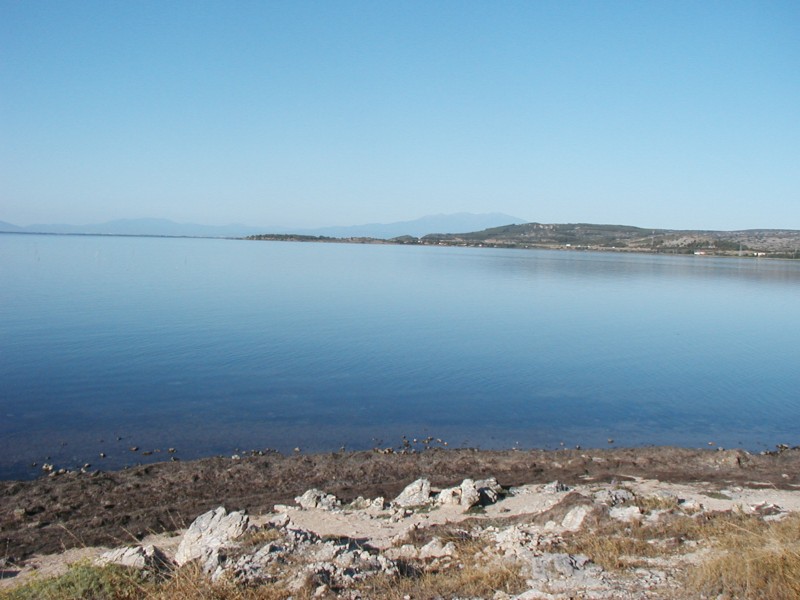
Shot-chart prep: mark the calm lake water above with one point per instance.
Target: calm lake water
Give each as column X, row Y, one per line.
column 210, row 346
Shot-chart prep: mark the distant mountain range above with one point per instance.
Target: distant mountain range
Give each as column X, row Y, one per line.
column 159, row 227
column 163, row 227
column 430, row 224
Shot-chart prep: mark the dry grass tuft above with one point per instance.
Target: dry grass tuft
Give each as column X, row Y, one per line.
column 651, row 503
column 446, row 533
column 256, row 538
column 616, row 545
column 751, row 559
column 755, row 560
column 468, row 574
column 612, row 548
column 189, row 583
column 87, row 582
column 469, row 579
column 84, row 581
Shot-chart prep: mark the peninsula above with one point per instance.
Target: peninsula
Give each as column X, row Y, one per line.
column 758, row 243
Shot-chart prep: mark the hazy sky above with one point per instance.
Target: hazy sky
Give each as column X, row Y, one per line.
column 657, row 114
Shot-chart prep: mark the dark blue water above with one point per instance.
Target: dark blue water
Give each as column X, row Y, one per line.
column 212, row 345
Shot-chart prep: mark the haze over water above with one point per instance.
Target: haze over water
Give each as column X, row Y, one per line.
column 212, row 345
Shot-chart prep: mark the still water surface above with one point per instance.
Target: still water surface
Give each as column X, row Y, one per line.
column 212, row 345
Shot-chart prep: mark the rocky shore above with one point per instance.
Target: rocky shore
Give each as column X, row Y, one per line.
column 615, row 523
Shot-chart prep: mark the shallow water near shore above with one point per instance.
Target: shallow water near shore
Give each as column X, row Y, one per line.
column 209, row 346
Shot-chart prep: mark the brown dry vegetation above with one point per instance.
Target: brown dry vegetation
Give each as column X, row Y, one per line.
column 473, row 580
column 53, row 513
column 750, row 559
column 469, row 577
column 746, row 557
column 753, row 559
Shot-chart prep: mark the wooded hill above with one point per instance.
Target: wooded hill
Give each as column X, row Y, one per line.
column 770, row 242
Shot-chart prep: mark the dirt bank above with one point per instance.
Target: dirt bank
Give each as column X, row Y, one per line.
column 89, row 509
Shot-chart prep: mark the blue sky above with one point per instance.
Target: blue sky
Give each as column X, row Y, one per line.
column 657, row 114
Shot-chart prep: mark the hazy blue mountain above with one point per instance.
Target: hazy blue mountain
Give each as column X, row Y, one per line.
column 167, row 228
column 453, row 223
column 163, row 227
column 9, row 227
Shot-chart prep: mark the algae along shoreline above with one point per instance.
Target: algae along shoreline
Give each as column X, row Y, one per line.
column 531, row 514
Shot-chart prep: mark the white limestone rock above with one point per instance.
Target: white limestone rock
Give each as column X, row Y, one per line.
column 449, row 496
column 516, row 541
column 359, row 565
column 626, row 514
column 315, row 498
column 470, row 493
column 563, row 576
column 253, row 568
column 405, row 534
column 550, row 566
column 470, row 496
column 436, row 549
column 613, row 497
column 406, row 551
column 359, row 503
column 553, row 574
column 573, row 520
column 213, row 530
column 138, row 557
column 489, row 490
column 417, row 493
column 690, row 505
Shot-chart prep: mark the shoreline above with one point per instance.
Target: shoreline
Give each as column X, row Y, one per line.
column 788, row 255
column 623, row 523
column 52, row 514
